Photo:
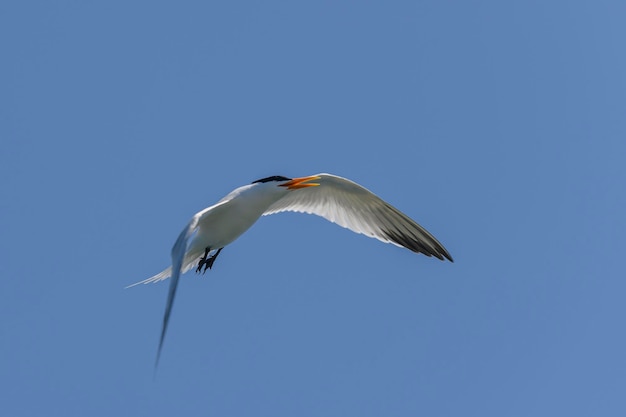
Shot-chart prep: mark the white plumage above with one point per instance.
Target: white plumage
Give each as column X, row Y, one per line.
column 337, row 199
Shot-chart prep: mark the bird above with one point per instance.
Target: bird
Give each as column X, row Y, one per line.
column 337, row 199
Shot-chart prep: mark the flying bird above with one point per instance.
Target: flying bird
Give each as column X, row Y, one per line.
column 334, row 198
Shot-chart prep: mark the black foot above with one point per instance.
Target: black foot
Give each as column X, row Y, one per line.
column 203, row 260
column 207, row 263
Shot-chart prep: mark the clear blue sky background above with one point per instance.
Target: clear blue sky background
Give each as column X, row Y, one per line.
column 499, row 126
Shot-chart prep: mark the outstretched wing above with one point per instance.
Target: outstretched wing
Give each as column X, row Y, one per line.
column 178, row 257
column 352, row 206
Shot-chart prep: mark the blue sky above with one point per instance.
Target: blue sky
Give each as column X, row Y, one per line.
column 499, row 126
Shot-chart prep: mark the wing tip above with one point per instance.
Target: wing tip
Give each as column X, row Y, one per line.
column 447, row 256
column 443, row 253
column 440, row 254
column 429, row 249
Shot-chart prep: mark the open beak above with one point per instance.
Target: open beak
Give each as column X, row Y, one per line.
column 302, row 182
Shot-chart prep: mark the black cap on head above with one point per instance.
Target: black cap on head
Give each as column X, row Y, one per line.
column 273, row 178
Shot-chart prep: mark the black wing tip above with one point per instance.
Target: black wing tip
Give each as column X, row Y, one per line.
column 447, row 256
column 442, row 255
column 432, row 249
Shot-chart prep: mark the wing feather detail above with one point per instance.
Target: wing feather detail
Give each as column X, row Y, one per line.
column 352, row 206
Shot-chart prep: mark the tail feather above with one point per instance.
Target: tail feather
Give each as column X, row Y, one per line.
column 191, row 259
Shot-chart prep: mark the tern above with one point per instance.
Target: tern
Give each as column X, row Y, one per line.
column 334, row 198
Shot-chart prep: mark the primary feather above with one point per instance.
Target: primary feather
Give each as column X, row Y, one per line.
column 354, row 207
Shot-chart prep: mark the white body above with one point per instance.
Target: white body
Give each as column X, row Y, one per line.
column 223, row 223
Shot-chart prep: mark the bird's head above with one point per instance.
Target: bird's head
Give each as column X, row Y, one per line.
column 290, row 183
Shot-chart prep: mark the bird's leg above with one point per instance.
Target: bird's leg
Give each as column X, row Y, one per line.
column 209, row 262
column 203, row 260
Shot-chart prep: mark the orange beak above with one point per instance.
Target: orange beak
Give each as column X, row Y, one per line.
column 302, row 182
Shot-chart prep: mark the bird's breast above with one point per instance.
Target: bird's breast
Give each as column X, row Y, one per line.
column 226, row 223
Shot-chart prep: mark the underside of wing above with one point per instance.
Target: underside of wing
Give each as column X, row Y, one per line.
column 352, row 206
